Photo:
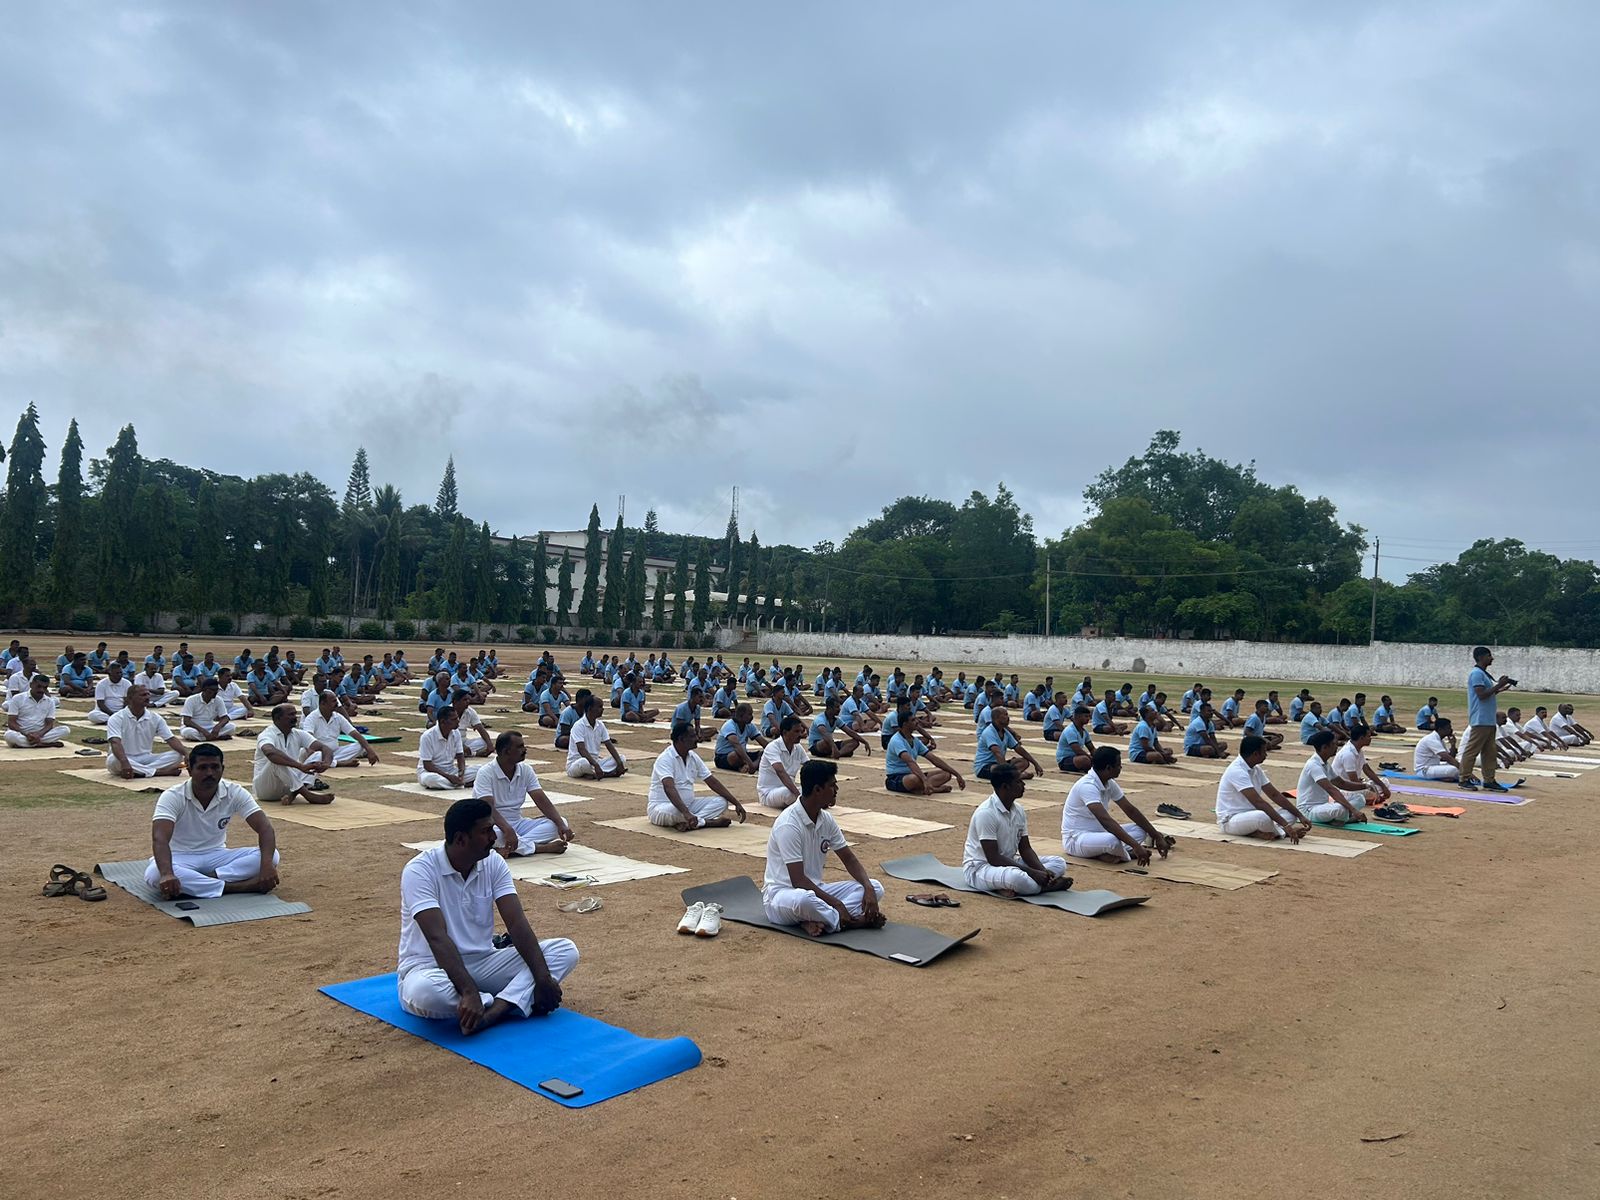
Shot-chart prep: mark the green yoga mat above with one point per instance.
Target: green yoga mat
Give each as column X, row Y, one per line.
column 371, row 741
column 1370, row 827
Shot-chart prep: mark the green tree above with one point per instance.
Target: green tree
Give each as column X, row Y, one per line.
column 589, row 603
column 564, row 588
column 703, row 583
column 485, row 585
column 752, row 599
column 613, row 602
column 209, row 554
column 67, row 548
column 155, row 526
column 453, row 576
column 24, row 510
column 680, row 585
column 390, row 523
column 511, row 602
column 658, row 603
column 634, row 588
column 539, row 583
column 774, row 582
column 114, row 559
column 446, row 504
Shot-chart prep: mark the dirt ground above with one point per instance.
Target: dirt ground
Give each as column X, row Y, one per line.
column 1418, row 1021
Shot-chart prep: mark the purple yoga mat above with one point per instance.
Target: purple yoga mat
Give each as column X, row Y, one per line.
column 1481, row 796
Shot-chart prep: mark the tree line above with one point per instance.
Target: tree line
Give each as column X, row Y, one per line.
column 1175, row 543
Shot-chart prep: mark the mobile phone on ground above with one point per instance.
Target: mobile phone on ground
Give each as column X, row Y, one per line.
column 561, row 1088
column 187, row 905
column 906, row 958
column 563, row 878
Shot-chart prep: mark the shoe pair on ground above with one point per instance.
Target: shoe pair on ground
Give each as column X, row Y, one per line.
column 702, row 919
column 68, row 881
column 1471, row 784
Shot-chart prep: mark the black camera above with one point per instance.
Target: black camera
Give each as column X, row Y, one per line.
column 1510, row 681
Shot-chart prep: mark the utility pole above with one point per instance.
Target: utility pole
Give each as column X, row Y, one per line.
column 1047, row 593
column 1372, row 627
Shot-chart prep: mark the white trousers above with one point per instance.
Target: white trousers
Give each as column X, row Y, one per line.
column 190, row 734
column 1254, row 821
column 1335, row 814
column 1092, row 843
column 791, row 906
column 531, row 832
column 97, row 717
column 1441, row 771
column 581, row 769
column 273, row 782
column 162, row 700
column 236, row 711
column 499, row 974
column 144, row 764
column 202, row 875
column 343, row 752
column 1015, row 879
column 707, row 808
column 53, row 735
column 777, row 797
column 438, row 783
column 1570, row 739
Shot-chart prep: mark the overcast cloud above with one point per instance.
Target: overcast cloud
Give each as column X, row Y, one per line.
column 863, row 250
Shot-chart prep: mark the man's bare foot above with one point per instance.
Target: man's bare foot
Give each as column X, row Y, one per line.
column 493, row 1014
column 1008, row 893
column 813, row 928
column 291, row 798
column 719, row 823
column 323, row 797
column 555, row 847
column 1060, row 883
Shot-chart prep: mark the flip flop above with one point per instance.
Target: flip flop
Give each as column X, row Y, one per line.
column 86, row 889
column 1390, row 766
column 96, row 741
column 88, row 753
column 587, row 905
column 934, row 900
column 61, row 879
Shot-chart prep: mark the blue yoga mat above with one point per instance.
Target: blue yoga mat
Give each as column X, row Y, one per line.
column 601, row 1059
column 1425, row 779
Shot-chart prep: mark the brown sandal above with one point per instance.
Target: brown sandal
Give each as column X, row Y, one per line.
column 87, row 889
column 61, row 880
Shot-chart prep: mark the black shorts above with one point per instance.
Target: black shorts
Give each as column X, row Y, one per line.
column 1193, row 752
column 895, row 783
column 983, row 772
column 1066, row 765
column 1137, row 756
column 726, row 762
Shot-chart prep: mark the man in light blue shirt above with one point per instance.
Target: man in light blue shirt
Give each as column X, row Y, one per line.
column 99, row 660
column 1033, row 704
column 1383, row 717
column 1102, row 720
column 1056, row 717
column 77, row 680
column 1230, row 708
column 830, row 737
column 773, row 712
column 631, row 703
column 1312, row 722
column 689, row 710
column 1074, row 748
column 995, row 746
column 1256, row 723
column 1143, row 744
column 1428, row 714
column 1190, row 698
column 1297, row 706
column 158, row 658
column 1200, row 737
column 1483, row 720
column 733, row 742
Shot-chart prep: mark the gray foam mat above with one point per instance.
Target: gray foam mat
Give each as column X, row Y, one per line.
column 220, row 910
column 925, row 868
column 741, row 902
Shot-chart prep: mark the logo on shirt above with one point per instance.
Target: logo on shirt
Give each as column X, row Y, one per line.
column 222, row 822
column 827, row 845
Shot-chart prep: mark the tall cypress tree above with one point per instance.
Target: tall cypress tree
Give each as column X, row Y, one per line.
column 453, row 577
column 24, row 510
column 614, row 601
column 513, row 590
column 769, row 602
column 208, row 562
column 67, row 549
column 564, row 588
column 446, row 503
column 155, row 526
column 633, row 588
column 589, row 604
column 484, row 582
column 702, row 586
column 539, row 583
column 680, row 585
column 390, row 550
column 114, row 559
column 752, row 580
column 658, row 604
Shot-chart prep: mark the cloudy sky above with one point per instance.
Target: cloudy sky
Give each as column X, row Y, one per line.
column 830, row 253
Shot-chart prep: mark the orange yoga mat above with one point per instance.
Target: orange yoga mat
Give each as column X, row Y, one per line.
column 1428, row 810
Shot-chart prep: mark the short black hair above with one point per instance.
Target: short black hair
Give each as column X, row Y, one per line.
column 1321, row 738
column 504, row 740
column 682, row 729
column 1252, row 743
column 205, row 750
column 1103, row 757
column 1003, row 775
column 461, row 816
column 790, row 722
column 816, row 773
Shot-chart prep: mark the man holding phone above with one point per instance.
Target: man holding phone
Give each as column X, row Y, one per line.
column 448, row 964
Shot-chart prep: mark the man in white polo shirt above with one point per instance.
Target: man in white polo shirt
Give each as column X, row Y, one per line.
column 778, row 777
column 288, row 762
column 1321, row 794
column 508, row 783
column 205, row 715
column 31, row 718
column 677, row 769
column 998, row 856
column 154, row 682
column 1565, row 726
column 110, row 694
column 448, row 964
column 230, row 694
column 327, row 725
column 1088, row 830
column 441, row 761
column 591, row 754
column 1435, row 757
column 1247, row 803
column 132, row 732
column 189, row 834
column 793, row 892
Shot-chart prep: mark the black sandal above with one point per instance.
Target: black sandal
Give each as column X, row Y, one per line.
column 61, row 880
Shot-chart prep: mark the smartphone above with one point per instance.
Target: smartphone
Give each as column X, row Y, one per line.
column 563, row 878
column 187, row 905
column 561, row 1088
column 906, row 958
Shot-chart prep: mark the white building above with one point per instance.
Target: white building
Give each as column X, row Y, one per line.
column 657, row 571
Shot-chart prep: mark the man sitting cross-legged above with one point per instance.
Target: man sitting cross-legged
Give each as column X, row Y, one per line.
column 441, row 760
column 672, row 801
column 1200, row 738
column 998, row 855
column 1565, row 726
column 804, row 833
column 132, row 733
column 1088, row 830
column 327, row 725
column 732, row 752
column 1383, row 717
column 1256, row 723
column 902, row 773
column 31, row 718
column 448, row 964
column 205, row 714
column 591, row 754
column 288, row 762
column 1074, row 748
column 1537, row 731
column 995, row 745
column 509, row 783
column 829, row 736
column 1321, row 794
column 631, row 703
column 1248, row 804
column 778, row 779
column 1144, row 746
column 110, row 694
column 689, row 710
column 1435, row 755
column 1101, row 716
column 77, row 678
column 189, row 835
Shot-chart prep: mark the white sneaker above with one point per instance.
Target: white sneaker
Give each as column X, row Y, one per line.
column 710, row 921
column 691, row 918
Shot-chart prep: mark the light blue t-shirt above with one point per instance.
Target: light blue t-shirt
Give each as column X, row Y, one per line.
column 1297, row 708
column 1309, row 724
column 733, row 734
column 1230, row 708
column 849, row 709
column 685, row 713
column 1010, row 693
column 1030, row 705
column 1194, row 734
column 987, row 741
column 819, row 726
column 1054, row 718
column 1254, row 724
column 1102, row 715
column 899, row 744
column 1382, row 715
column 554, row 701
column 1189, row 698
column 772, row 714
column 1073, row 741
column 632, row 701
column 1426, row 715
column 1336, row 718
column 1481, row 712
column 1142, row 739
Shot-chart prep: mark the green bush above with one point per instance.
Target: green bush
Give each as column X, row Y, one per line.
column 330, row 629
column 466, row 633
column 602, row 637
column 435, row 631
column 83, row 622
column 496, row 636
column 373, row 631
column 526, row 633
column 132, row 623
column 404, row 631
column 41, row 618
column 623, row 638
column 547, row 634
column 184, row 624
column 667, row 639
column 302, row 627
column 261, row 630
column 221, row 624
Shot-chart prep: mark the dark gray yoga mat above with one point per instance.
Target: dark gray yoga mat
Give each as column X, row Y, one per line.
column 925, row 868
column 741, row 902
column 221, row 910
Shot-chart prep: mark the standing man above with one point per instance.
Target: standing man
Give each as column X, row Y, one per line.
column 1483, row 719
